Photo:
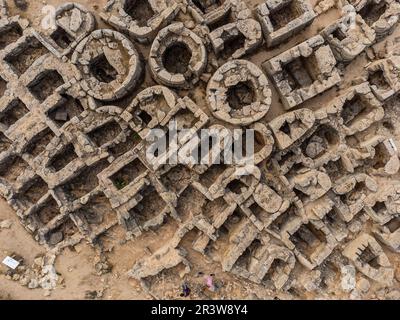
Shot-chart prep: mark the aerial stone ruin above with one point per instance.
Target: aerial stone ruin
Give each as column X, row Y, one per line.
column 75, row 111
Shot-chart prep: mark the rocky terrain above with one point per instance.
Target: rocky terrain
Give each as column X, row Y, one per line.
column 88, row 216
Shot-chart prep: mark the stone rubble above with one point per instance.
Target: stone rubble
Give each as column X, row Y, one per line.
column 75, row 112
column 281, row 20
column 303, row 71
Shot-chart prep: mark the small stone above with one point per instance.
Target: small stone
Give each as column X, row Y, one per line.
column 102, row 268
column 370, row 54
column 21, row 4
column 38, row 261
column 348, row 278
column 61, row 114
column 91, row 295
column 6, row 224
column 33, row 284
column 311, row 280
column 355, row 295
column 393, row 295
column 55, row 238
column 314, row 149
column 363, row 285
column 76, row 20
column 397, row 274
column 24, row 281
column 94, row 217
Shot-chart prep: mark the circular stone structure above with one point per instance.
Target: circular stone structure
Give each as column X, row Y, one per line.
column 239, row 93
column 110, row 64
column 177, row 57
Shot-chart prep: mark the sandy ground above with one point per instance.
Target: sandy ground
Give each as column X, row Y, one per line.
column 76, row 266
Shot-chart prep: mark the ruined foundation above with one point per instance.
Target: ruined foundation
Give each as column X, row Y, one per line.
column 77, row 103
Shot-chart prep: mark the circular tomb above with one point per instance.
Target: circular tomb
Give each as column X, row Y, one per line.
column 177, row 57
column 239, row 93
column 110, row 64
